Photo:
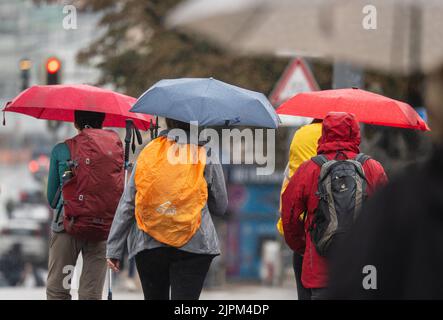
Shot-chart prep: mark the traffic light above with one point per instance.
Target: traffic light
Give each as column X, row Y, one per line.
column 53, row 69
column 25, row 66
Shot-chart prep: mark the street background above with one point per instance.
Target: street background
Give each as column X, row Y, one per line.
column 255, row 264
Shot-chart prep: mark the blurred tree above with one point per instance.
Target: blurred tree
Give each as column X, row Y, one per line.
column 136, row 50
column 396, row 148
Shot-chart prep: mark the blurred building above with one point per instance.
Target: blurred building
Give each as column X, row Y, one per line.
column 253, row 213
column 36, row 32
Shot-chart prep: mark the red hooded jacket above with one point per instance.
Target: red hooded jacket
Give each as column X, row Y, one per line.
column 340, row 133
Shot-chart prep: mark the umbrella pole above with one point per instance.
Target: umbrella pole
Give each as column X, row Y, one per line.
column 128, row 138
column 110, row 284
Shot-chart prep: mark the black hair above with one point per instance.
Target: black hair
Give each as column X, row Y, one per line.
column 83, row 119
column 175, row 124
column 315, row 120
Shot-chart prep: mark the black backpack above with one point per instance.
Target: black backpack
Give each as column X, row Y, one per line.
column 341, row 193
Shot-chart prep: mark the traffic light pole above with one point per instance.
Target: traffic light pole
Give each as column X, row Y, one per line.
column 346, row 75
column 25, row 79
column 25, row 67
column 53, row 71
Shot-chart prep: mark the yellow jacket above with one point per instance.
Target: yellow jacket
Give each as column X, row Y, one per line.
column 303, row 147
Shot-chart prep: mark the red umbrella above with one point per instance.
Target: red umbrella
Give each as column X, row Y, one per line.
column 58, row 102
column 368, row 107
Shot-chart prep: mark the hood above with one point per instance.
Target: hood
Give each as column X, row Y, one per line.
column 340, row 132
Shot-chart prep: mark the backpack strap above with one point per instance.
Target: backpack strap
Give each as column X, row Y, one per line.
column 362, row 158
column 56, row 197
column 320, row 160
column 69, row 143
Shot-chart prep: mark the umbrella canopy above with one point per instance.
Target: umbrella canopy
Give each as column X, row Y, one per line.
column 58, row 102
column 255, row 26
column 394, row 35
column 368, row 107
column 209, row 101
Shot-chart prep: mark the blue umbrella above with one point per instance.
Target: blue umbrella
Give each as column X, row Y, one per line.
column 209, row 101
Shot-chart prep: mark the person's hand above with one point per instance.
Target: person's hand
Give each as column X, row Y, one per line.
column 114, row 264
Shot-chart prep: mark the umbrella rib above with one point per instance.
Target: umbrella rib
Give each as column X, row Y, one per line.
column 204, row 95
column 41, row 113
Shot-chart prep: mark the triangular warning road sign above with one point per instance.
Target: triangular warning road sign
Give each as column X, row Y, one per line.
column 297, row 78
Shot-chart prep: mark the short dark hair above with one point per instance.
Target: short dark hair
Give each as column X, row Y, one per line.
column 83, row 119
column 175, row 124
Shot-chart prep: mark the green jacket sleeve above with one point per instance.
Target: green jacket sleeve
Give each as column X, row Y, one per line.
column 59, row 155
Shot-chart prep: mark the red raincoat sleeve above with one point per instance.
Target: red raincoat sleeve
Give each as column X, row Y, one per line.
column 375, row 175
column 293, row 205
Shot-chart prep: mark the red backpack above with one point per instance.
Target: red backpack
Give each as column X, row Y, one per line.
column 91, row 196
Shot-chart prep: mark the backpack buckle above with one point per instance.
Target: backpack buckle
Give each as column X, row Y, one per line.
column 322, row 196
column 72, row 164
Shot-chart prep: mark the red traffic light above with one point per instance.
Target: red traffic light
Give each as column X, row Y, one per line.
column 53, row 65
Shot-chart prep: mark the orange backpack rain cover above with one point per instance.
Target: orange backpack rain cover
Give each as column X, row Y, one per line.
column 171, row 190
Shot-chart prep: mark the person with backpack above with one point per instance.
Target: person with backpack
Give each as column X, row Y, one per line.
column 401, row 227
column 165, row 216
column 324, row 197
column 303, row 147
column 85, row 182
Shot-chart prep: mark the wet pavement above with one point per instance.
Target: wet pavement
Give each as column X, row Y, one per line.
column 231, row 292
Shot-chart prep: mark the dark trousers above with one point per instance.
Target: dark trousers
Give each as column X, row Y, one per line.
column 302, row 292
column 171, row 273
column 319, row 293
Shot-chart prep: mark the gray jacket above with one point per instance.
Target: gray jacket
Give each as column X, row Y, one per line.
column 124, row 227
